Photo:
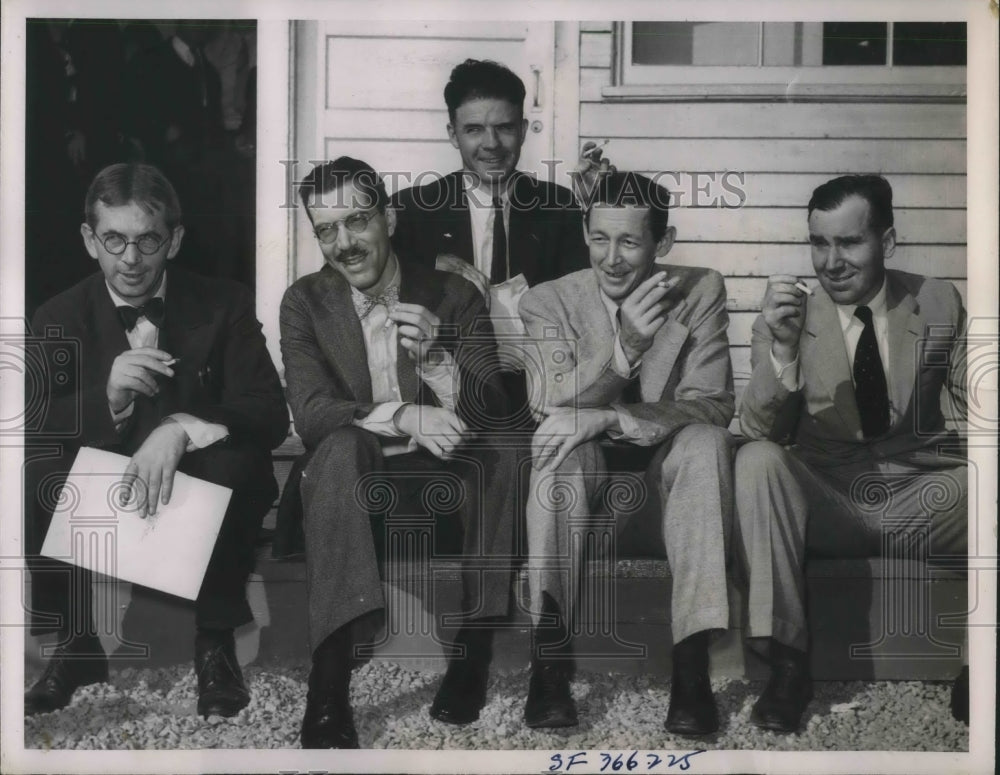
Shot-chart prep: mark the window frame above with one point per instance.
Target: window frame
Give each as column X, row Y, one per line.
column 829, row 83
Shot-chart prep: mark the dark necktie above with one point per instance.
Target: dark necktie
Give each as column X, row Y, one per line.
column 152, row 310
column 870, row 390
column 632, row 394
column 498, row 267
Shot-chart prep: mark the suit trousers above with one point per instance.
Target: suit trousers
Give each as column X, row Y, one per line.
column 348, row 488
column 787, row 509
column 62, row 594
column 688, row 489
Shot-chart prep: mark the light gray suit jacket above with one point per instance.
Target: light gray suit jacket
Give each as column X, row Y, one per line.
column 686, row 376
column 927, row 353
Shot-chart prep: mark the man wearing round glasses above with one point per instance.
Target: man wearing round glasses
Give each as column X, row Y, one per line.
column 170, row 369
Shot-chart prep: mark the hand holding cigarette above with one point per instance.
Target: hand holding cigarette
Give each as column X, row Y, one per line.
column 784, row 312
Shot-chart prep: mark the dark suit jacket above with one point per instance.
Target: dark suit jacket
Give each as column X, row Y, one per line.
column 926, row 350
column 546, row 227
column 326, row 365
column 225, row 374
column 686, row 376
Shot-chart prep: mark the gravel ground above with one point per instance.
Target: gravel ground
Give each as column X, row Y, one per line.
column 155, row 709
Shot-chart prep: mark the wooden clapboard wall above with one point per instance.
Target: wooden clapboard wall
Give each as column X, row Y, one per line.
column 776, row 153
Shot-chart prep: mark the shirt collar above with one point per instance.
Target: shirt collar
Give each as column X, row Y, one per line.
column 183, row 50
column 877, row 305
column 118, row 301
column 478, row 198
column 611, row 306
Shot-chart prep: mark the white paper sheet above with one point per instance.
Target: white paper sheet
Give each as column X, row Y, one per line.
column 170, row 551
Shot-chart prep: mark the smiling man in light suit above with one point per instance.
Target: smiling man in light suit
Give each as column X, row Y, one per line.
column 636, row 352
column 844, row 399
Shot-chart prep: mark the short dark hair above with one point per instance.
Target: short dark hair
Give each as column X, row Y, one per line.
column 620, row 189
column 874, row 189
column 335, row 174
column 119, row 184
column 482, row 79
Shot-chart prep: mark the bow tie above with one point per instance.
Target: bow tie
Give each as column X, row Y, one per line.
column 152, row 310
column 364, row 304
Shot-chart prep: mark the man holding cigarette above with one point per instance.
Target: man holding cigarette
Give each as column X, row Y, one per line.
column 846, row 408
column 392, row 381
column 172, row 371
column 633, row 356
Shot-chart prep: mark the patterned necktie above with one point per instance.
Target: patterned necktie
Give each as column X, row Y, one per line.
column 498, row 266
column 364, row 303
column 632, row 394
column 870, row 390
column 152, row 310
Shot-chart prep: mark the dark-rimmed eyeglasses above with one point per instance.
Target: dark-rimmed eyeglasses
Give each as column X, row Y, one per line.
column 327, row 232
column 147, row 244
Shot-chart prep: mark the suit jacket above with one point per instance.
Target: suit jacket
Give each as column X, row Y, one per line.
column 224, row 375
column 926, row 322
column 546, row 227
column 326, row 363
column 686, row 376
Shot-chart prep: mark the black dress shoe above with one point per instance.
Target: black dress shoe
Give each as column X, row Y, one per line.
column 960, row 696
column 787, row 694
column 69, row 668
column 692, row 711
column 221, row 690
column 328, row 723
column 550, row 704
column 462, row 693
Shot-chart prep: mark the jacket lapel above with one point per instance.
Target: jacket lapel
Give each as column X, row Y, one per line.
column 524, row 244
column 904, row 329
column 824, row 354
column 343, row 339
column 455, row 225
column 410, row 292
column 658, row 361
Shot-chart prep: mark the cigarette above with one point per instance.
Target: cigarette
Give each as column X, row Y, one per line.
column 172, row 362
column 804, row 288
column 595, row 149
column 661, row 284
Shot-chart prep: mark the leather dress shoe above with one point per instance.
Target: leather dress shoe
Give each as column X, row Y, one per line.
column 960, row 696
column 462, row 693
column 221, row 690
column 786, row 695
column 692, row 711
column 550, row 704
column 67, row 670
column 328, row 723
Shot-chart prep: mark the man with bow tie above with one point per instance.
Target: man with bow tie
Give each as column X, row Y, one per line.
column 851, row 456
column 174, row 372
column 392, row 372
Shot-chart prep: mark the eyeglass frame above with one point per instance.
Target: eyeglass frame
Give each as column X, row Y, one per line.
column 363, row 217
column 115, row 235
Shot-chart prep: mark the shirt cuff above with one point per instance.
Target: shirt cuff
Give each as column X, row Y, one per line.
column 788, row 375
column 380, row 420
column 442, row 378
column 201, row 434
column 619, row 362
column 629, row 427
column 119, row 418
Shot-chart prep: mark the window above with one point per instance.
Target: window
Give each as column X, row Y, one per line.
column 791, row 60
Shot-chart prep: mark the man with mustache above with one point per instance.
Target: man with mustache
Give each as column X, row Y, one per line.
column 845, row 401
column 635, row 352
column 391, row 371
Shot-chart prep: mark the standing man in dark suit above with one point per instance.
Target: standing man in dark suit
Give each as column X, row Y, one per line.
column 391, row 370
column 844, row 398
column 633, row 351
column 178, row 377
column 499, row 227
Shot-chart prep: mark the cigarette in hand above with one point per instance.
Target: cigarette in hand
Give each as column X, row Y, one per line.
column 804, row 288
column 172, row 362
column 591, row 151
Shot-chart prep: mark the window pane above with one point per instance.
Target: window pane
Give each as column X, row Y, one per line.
column 854, row 43
column 695, row 43
column 928, row 43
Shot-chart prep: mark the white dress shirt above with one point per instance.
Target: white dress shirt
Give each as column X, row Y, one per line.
column 482, row 215
column 380, row 334
column 620, row 365
column 145, row 334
